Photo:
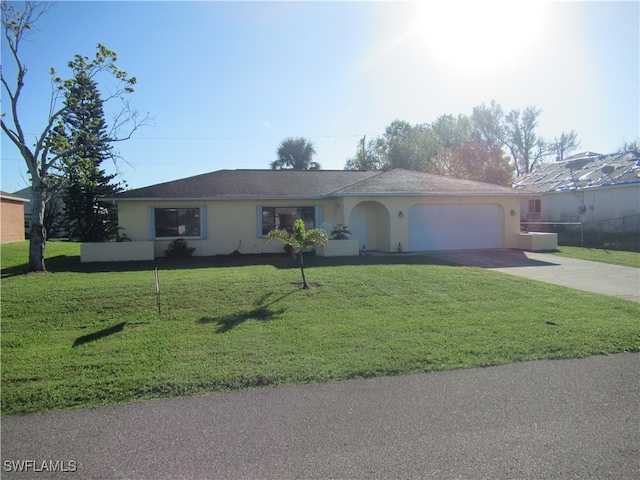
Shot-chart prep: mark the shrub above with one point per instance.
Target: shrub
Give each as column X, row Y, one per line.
column 340, row 232
column 178, row 249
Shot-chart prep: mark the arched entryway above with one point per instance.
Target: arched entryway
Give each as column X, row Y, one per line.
column 369, row 224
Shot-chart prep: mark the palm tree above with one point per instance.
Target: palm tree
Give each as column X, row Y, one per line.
column 296, row 154
column 299, row 240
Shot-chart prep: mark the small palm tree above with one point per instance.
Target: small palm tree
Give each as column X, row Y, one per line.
column 299, row 240
column 296, row 154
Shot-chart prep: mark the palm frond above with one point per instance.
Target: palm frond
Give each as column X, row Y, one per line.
column 295, row 153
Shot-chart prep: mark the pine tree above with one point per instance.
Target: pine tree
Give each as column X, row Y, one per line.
column 83, row 131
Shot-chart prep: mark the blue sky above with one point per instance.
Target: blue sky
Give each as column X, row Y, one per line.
column 228, row 81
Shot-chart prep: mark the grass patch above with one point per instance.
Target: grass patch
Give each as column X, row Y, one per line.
column 91, row 334
column 615, row 257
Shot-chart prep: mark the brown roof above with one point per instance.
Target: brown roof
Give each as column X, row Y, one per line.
column 274, row 184
column 412, row 183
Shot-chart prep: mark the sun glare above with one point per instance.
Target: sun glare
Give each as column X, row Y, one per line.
column 477, row 35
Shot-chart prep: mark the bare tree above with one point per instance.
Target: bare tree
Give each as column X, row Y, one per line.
column 39, row 156
column 629, row 146
column 527, row 148
column 565, row 143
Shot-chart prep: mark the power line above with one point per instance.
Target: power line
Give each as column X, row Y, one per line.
column 238, row 138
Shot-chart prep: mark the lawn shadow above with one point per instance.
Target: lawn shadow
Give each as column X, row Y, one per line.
column 489, row 258
column 99, row 334
column 72, row 263
column 262, row 313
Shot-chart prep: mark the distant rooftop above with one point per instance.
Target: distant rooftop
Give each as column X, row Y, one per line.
column 13, row 196
column 583, row 171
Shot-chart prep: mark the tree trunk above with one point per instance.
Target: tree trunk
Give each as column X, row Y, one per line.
column 38, row 233
column 304, row 280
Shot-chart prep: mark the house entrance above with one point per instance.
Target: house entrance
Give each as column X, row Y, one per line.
column 369, row 224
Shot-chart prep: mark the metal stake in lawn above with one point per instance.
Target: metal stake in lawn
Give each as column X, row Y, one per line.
column 157, row 291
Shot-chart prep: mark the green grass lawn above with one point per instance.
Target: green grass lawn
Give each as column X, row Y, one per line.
column 615, row 257
column 92, row 335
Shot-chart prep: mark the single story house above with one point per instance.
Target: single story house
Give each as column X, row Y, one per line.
column 54, row 208
column 11, row 217
column 387, row 211
column 601, row 191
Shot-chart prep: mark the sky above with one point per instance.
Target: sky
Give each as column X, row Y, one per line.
column 226, row 82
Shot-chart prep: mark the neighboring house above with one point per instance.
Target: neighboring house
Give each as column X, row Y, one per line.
column 11, row 217
column 26, row 193
column 601, row 191
column 52, row 218
column 228, row 210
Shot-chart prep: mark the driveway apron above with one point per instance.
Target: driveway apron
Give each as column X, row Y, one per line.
column 596, row 277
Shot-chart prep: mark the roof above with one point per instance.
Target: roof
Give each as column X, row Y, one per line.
column 13, row 196
column 299, row 184
column 413, row 183
column 583, row 171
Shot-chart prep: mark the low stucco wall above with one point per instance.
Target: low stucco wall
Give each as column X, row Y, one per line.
column 339, row 248
column 116, row 252
column 538, row 242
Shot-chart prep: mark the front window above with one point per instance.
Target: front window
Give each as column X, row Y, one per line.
column 177, row 222
column 283, row 218
column 534, row 206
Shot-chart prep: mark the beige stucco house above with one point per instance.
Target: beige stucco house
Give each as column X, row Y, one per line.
column 602, row 192
column 227, row 210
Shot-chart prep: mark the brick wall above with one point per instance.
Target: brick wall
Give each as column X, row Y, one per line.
column 11, row 221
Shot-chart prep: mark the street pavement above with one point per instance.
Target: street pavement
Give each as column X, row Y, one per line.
column 550, row 419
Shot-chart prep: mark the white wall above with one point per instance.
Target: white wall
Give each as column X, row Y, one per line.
column 614, row 209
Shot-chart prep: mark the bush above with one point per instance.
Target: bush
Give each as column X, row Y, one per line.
column 589, row 238
column 340, row 232
column 178, row 249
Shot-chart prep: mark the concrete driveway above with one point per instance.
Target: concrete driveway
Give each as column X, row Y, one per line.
column 596, row 277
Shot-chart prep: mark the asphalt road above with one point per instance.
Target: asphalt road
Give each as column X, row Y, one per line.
column 570, row 419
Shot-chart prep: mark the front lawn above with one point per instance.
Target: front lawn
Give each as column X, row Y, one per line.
column 615, row 257
column 92, row 334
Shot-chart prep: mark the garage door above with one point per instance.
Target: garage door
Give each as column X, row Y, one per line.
column 454, row 227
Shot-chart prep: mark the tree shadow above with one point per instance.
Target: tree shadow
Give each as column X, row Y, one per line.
column 262, row 312
column 72, row 263
column 99, row 334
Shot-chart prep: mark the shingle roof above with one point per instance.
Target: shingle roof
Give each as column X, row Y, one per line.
column 13, row 196
column 274, row 184
column 244, row 184
column 584, row 171
column 409, row 182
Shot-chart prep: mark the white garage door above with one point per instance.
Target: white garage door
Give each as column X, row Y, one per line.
column 454, row 227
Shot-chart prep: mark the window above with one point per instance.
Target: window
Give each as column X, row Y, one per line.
column 284, row 217
column 534, row 206
column 177, row 222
